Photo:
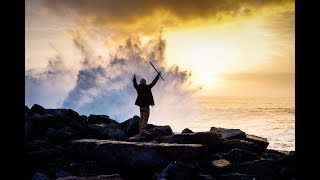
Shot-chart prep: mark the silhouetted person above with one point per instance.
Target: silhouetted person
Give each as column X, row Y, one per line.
column 144, row 100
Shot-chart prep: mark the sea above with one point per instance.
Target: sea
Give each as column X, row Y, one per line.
column 268, row 117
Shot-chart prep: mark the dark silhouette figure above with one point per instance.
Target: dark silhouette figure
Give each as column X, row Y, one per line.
column 144, row 100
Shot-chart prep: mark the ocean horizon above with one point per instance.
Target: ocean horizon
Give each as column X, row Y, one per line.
column 268, row 117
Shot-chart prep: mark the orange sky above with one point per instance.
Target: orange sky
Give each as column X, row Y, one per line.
column 232, row 48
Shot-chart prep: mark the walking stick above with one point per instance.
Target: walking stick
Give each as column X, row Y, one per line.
column 156, row 70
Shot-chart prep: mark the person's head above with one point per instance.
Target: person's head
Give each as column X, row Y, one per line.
column 143, row 81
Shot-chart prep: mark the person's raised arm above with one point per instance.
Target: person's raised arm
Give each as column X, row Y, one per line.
column 135, row 85
column 155, row 80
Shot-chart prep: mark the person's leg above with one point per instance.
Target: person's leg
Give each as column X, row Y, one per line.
column 141, row 119
column 146, row 117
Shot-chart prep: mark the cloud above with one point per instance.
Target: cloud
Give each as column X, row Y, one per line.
column 48, row 86
column 149, row 16
column 107, row 88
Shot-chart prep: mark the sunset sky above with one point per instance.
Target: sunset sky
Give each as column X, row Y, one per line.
column 230, row 47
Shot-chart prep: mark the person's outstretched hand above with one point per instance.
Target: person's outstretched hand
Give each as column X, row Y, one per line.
column 159, row 73
column 134, row 76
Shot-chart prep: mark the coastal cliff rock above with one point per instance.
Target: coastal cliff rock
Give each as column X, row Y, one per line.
column 134, row 155
column 62, row 144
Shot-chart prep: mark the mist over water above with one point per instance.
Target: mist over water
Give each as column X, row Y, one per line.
column 104, row 85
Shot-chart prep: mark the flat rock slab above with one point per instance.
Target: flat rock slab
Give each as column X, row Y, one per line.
column 229, row 133
column 134, row 155
column 260, row 141
column 100, row 177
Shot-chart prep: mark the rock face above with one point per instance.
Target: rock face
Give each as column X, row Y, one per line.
column 186, row 130
column 132, row 154
column 131, row 126
column 210, row 139
column 107, row 131
column 178, row 170
column 229, row 133
column 240, row 144
column 61, row 144
column 261, row 142
column 37, row 109
column 98, row 119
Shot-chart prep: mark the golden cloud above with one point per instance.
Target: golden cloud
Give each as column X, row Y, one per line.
column 149, row 16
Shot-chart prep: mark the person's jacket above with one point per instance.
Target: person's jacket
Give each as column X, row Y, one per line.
column 145, row 97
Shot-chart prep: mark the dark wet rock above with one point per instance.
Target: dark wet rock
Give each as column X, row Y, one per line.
column 37, row 109
column 107, row 131
column 62, row 174
column 237, row 176
column 99, row 119
column 186, row 130
column 38, row 124
column 131, row 126
column 289, row 166
column 132, row 154
column 159, row 131
column 40, row 176
column 141, row 138
column 264, row 169
column 270, row 153
column 229, row 133
column 260, row 141
column 83, row 119
column 178, row 170
column 240, row 144
column 62, row 135
column 210, row 139
column 100, row 177
column 54, row 146
column 27, row 112
column 238, row 155
column 64, row 112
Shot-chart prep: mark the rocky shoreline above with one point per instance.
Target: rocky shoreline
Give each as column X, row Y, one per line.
column 61, row 144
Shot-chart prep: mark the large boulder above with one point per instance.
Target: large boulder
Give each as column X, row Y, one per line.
column 229, row 133
column 99, row 119
column 27, row 112
column 64, row 113
column 62, row 135
column 238, row 155
column 260, row 141
column 159, row 131
column 263, row 169
column 186, row 130
column 240, row 144
column 178, row 170
column 107, row 131
column 141, row 138
column 37, row 125
column 134, row 155
column 37, row 109
column 289, row 163
column 210, row 139
column 131, row 126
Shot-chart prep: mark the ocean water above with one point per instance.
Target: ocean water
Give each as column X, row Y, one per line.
column 271, row 118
